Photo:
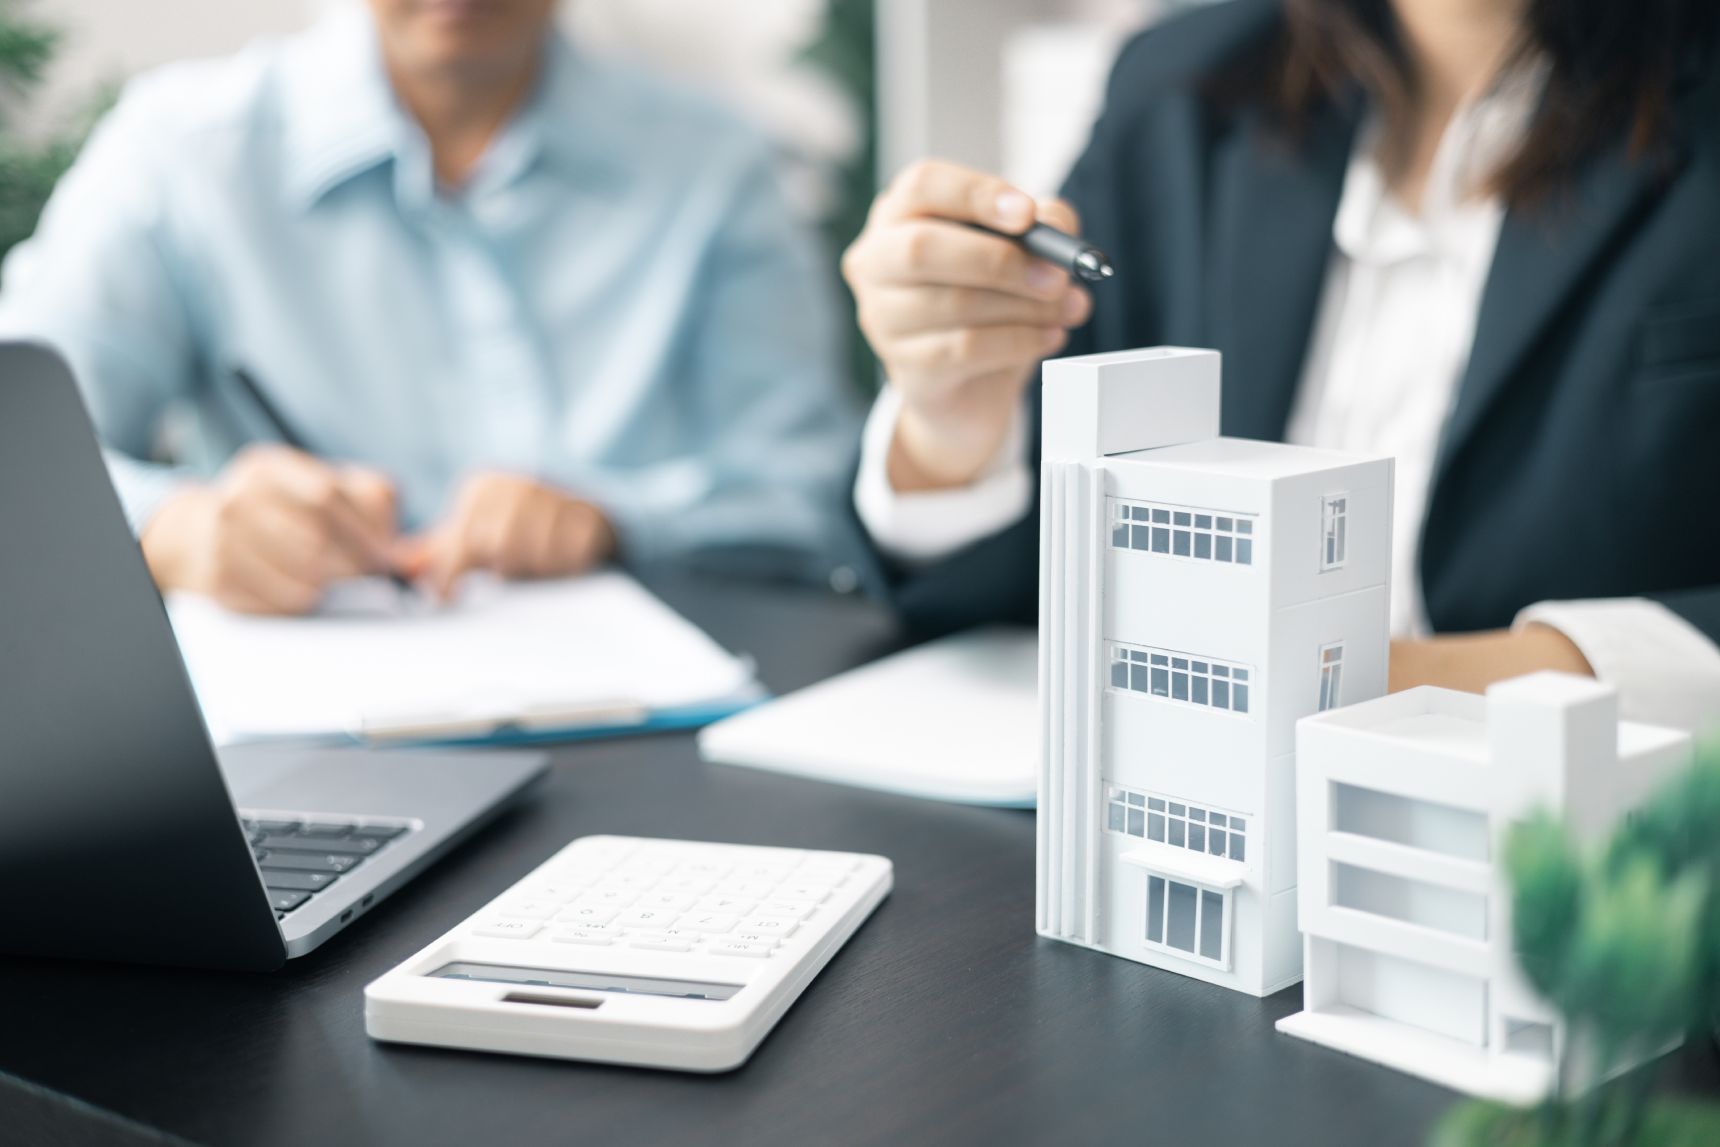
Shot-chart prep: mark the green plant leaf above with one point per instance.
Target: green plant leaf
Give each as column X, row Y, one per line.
column 1547, row 880
column 1632, row 970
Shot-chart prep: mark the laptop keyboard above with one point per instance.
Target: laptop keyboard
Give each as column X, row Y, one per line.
column 301, row 858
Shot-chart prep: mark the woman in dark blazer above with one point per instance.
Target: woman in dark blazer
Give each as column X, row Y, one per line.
column 1579, row 455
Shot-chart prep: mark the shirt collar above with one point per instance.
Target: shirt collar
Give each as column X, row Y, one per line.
column 338, row 112
column 1373, row 226
column 341, row 118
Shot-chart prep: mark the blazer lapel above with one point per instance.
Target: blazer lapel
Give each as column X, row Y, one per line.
column 1542, row 257
column 1272, row 244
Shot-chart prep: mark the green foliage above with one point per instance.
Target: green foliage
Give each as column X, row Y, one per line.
column 1625, row 943
column 1679, row 831
column 1669, row 1123
column 29, row 168
column 846, row 52
column 1547, row 885
column 25, row 49
column 27, row 177
column 1630, row 977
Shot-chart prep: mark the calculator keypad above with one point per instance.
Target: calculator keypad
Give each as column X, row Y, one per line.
column 668, row 896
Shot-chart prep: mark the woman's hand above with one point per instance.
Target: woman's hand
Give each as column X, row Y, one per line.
column 959, row 318
column 1473, row 661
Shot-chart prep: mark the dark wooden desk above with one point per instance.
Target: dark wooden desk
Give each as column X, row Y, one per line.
column 945, row 1020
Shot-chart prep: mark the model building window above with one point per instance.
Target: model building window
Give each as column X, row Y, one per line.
column 1182, row 533
column 1331, row 675
column 1334, row 517
column 1176, row 823
column 1179, row 677
column 1187, row 918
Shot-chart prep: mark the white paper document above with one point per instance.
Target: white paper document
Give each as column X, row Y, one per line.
column 955, row 719
column 379, row 662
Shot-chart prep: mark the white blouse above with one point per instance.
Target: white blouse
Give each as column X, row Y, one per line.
column 1390, row 345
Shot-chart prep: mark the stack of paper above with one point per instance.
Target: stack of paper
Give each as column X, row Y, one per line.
column 956, row 719
column 504, row 661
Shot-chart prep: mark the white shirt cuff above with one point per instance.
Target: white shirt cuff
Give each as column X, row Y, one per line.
column 1666, row 671
column 924, row 526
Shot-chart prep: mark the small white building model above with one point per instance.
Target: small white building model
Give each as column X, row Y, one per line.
column 1403, row 805
column 1198, row 595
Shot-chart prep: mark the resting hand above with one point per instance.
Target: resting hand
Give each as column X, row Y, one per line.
column 1473, row 661
column 959, row 318
column 513, row 526
column 273, row 531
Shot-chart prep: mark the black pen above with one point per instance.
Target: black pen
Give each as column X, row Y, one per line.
column 1061, row 249
column 283, row 430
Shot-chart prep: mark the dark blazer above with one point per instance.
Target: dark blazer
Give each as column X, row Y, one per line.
column 1583, row 449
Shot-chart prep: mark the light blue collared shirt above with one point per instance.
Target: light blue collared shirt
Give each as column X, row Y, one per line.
column 618, row 302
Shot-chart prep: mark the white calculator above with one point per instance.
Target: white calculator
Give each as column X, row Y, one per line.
column 655, row 953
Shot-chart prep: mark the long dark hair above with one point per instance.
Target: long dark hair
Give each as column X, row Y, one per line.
column 1612, row 68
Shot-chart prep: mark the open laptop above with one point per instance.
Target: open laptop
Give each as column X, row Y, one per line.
column 122, row 836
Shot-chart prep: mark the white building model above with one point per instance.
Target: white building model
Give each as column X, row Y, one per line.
column 1198, row 595
column 1403, row 806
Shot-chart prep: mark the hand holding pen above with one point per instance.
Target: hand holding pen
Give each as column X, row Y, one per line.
column 957, row 298
column 275, row 528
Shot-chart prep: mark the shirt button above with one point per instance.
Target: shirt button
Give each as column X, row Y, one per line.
column 843, row 579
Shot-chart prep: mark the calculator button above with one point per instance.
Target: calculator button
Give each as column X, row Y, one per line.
column 794, row 909
column 590, row 936
column 558, row 892
column 810, row 893
column 750, row 937
column 633, row 880
column 609, row 897
column 836, row 863
column 763, row 873
column 817, row 879
column 712, row 923
column 753, row 949
column 727, row 904
column 529, row 909
column 646, row 918
column 587, row 914
column 746, row 889
column 508, row 929
column 714, row 869
column 778, row 926
column 672, row 901
column 686, row 885
column 660, row 941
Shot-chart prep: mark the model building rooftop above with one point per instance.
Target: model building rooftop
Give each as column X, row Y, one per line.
column 1456, row 723
column 1242, row 458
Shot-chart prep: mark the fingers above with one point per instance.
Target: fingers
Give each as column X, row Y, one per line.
column 457, row 546
column 953, row 357
column 372, row 493
column 516, row 527
column 948, row 191
column 928, row 251
column 319, row 489
column 252, row 583
column 897, row 311
column 294, row 540
column 1058, row 214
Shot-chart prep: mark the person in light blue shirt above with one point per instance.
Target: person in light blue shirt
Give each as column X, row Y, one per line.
column 524, row 310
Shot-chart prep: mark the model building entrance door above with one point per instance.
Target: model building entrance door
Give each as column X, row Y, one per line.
column 1187, row 919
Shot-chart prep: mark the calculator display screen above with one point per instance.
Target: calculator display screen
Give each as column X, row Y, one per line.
column 586, row 981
